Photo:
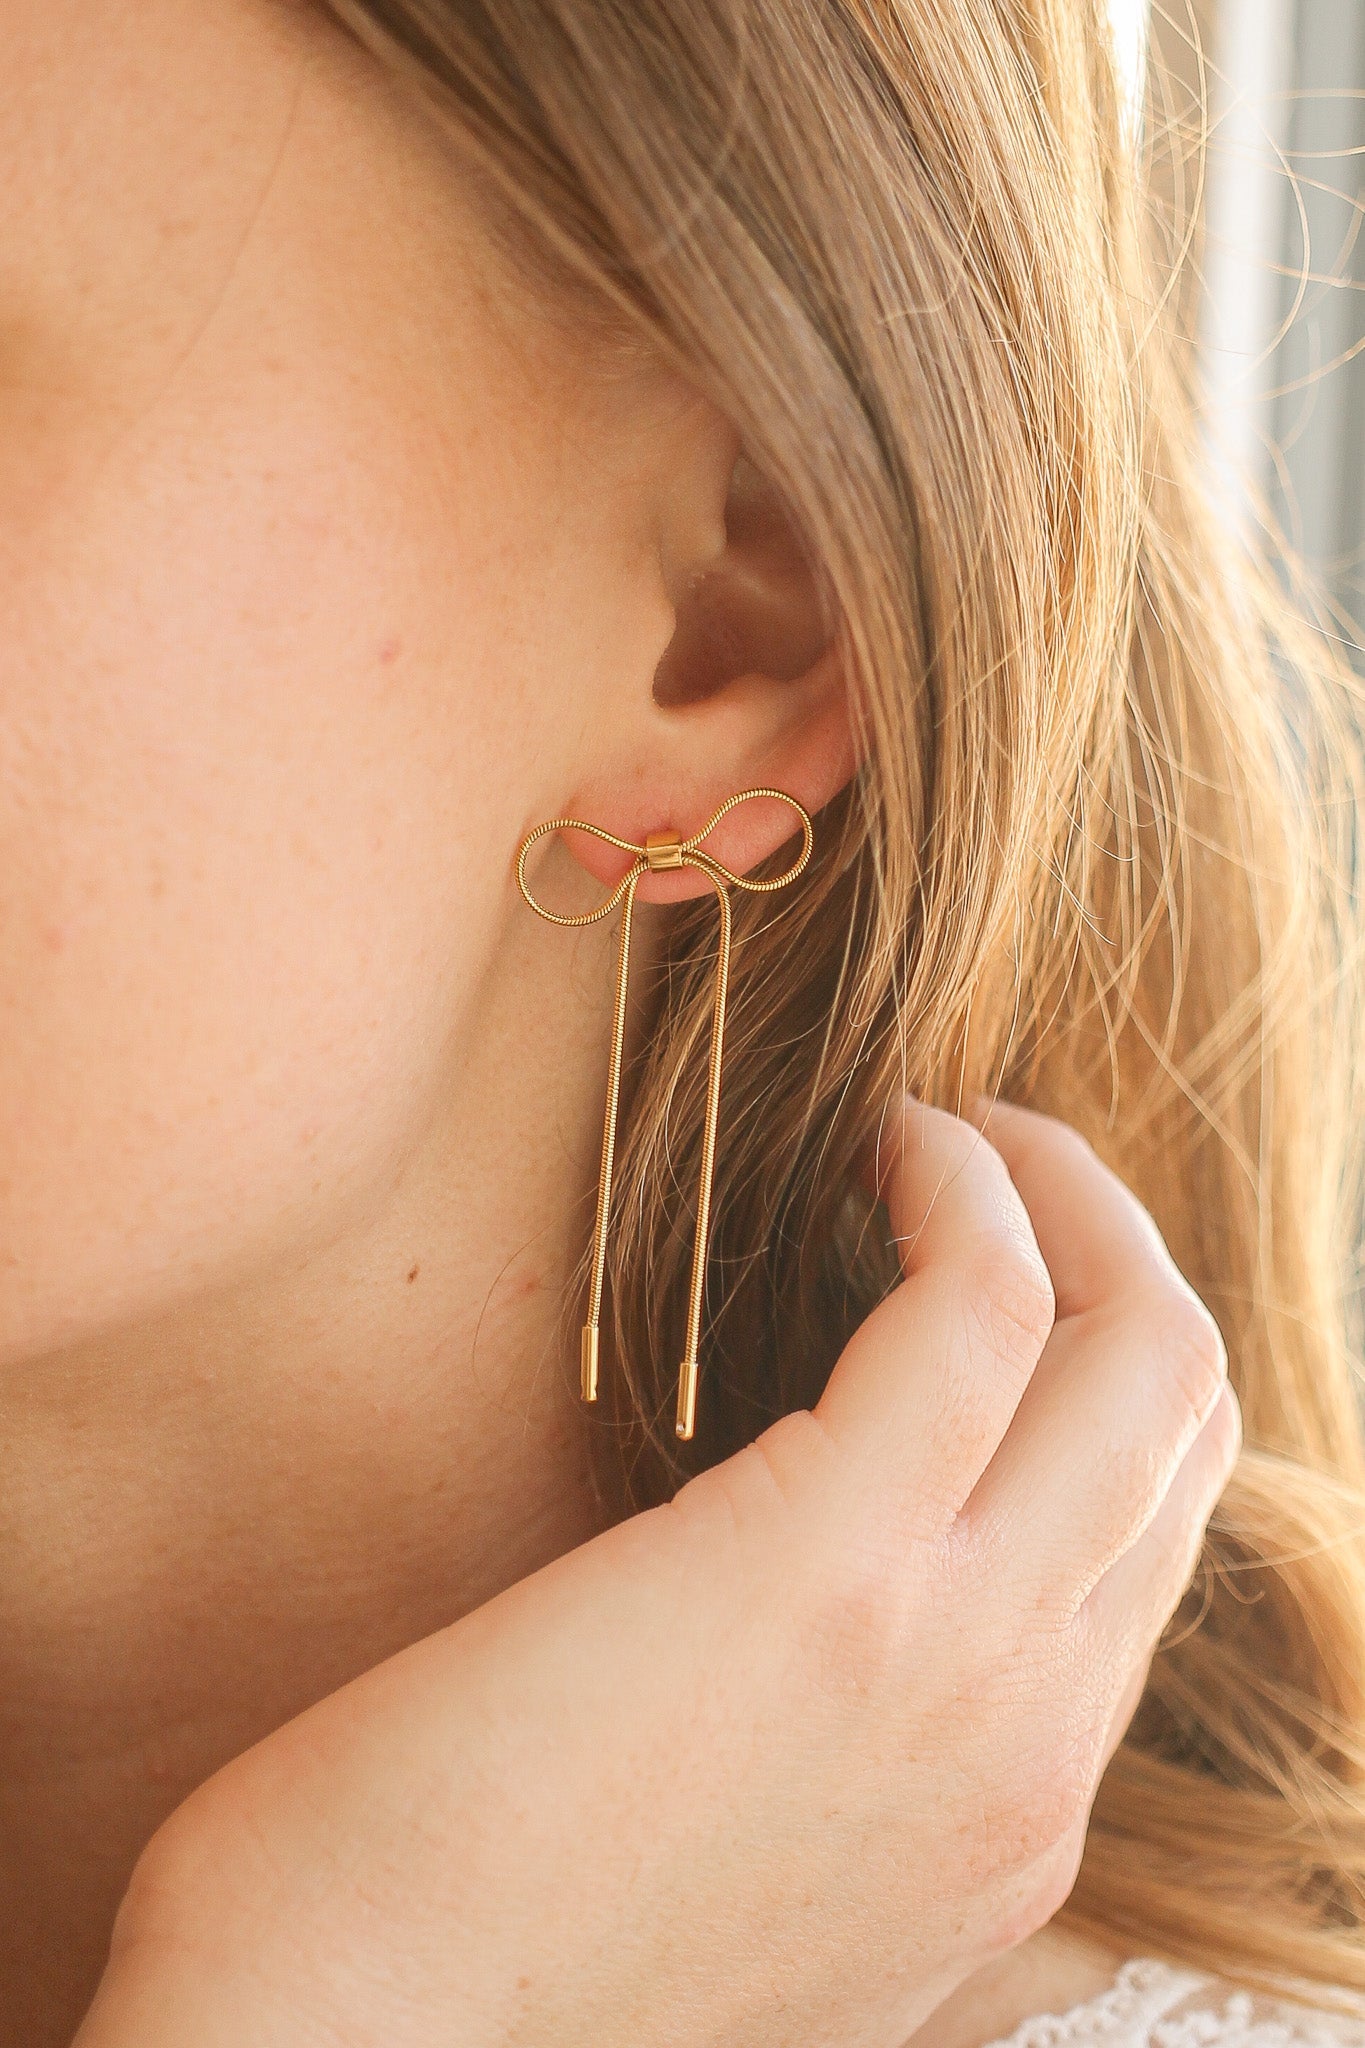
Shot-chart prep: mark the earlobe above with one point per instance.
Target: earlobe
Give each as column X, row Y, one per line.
column 796, row 737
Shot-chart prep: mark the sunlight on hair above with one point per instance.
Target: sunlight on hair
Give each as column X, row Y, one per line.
column 1130, row 19
column 1247, row 202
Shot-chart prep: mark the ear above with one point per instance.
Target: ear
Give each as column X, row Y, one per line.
column 750, row 691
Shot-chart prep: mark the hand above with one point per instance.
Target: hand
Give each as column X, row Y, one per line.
column 784, row 1760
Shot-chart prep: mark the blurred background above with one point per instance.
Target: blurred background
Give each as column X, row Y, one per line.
column 1280, row 268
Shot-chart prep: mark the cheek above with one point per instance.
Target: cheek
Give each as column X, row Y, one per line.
column 257, row 773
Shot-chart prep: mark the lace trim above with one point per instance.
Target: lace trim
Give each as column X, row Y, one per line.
column 1135, row 2011
column 1245, row 2021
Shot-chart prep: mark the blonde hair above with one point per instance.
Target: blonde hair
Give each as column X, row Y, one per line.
column 1102, row 854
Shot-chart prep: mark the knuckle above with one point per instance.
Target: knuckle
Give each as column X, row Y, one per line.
column 1224, row 1433
column 1179, row 1533
column 1011, row 1296
column 1037, row 1815
column 1137, row 1475
column 1053, row 1883
column 1071, row 1146
column 781, row 1474
column 798, row 1454
column 1047, row 1140
column 1192, row 1355
column 1180, row 1550
column 1057, row 1800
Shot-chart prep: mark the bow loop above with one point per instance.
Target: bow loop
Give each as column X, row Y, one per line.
column 664, row 850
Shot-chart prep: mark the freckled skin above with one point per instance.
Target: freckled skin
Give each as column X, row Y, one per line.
column 333, row 561
column 242, row 809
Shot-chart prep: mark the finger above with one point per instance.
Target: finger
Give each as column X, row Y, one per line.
column 1097, row 1238
column 1137, row 1596
column 1127, row 1615
column 1112, row 1410
column 926, row 1387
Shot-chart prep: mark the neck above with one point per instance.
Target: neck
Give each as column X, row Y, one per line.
column 216, row 1517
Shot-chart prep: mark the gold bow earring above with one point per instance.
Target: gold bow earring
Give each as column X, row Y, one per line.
column 661, row 851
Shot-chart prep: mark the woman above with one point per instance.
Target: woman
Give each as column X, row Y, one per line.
column 424, row 421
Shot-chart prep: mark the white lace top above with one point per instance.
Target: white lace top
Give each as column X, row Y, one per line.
column 1152, row 2004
